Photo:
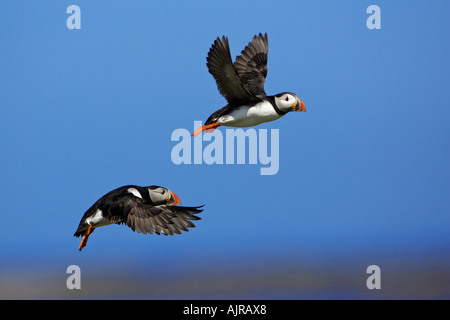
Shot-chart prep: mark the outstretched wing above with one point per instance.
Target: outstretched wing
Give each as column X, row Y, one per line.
column 168, row 220
column 222, row 69
column 251, row 65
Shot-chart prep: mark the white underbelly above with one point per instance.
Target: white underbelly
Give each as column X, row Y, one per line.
column 97, row 219
column 250, row 116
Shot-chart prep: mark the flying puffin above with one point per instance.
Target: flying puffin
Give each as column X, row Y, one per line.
column 144, row 209
column 242, row 85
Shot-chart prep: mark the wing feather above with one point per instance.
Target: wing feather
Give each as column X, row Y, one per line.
column 251, row 65
column 168, row 220
column 221, row 67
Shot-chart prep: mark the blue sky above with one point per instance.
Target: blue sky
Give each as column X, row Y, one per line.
column 363, row 171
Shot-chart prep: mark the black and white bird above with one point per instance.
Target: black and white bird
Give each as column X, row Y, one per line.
column 242, row 85
column 143, row 209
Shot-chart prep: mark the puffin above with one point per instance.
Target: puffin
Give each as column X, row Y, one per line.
column 143, row 209
column 242, row 84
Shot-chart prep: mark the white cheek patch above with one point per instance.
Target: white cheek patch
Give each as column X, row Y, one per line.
column 156, row 196
column 135, row 192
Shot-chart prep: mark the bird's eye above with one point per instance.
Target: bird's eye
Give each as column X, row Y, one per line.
column 287, row 99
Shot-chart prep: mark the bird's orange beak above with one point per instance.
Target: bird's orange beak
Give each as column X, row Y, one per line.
column 173, row 199
column 300, row 106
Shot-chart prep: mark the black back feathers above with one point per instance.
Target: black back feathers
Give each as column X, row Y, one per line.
column 243, row 81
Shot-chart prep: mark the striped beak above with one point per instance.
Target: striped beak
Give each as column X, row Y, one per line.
column 299, row 106
column 173, row 200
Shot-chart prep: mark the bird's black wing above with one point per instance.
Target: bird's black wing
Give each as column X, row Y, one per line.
column 168, row 220
column 251, row 65
column 222, row 69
